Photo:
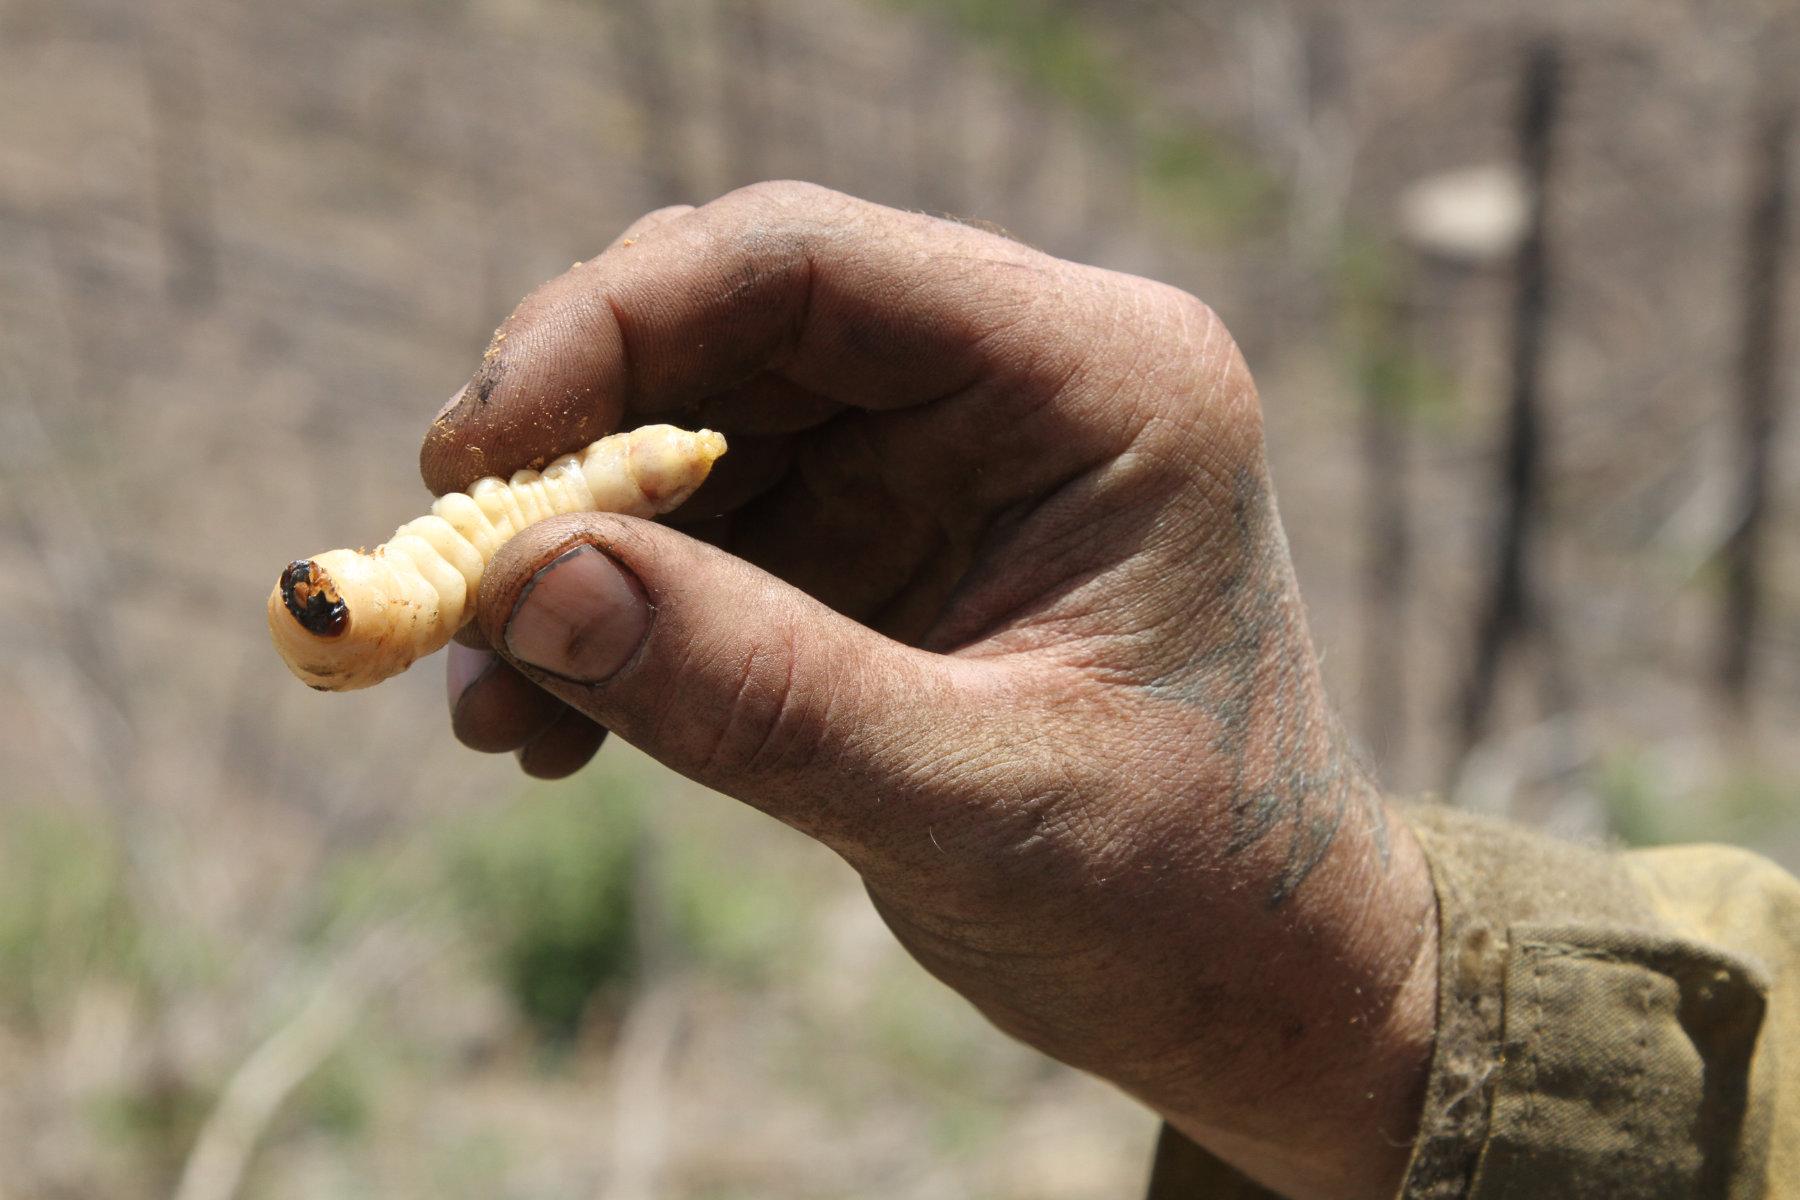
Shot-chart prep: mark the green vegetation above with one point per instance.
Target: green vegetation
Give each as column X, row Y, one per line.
column 938, row 1043
column 548, row 889
column 1048, row 44
column 1628, row 796
column 473, row 1165
column 357, row 887
column 1203, row 182
column 1645, row 807
column 337, row 1097
column 547, row 885
column 154, row 1121
column 730, row 917
column 934, row 1037
column 1372, row 284
column 65, row 917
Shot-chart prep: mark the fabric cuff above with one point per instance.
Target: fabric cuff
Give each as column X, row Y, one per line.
column 1583, row 1047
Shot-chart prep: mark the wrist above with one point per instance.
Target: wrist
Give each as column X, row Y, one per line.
column 1319, row 1085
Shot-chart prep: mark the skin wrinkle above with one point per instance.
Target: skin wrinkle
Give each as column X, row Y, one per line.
column 1088, row 639
column 866, row 434
column 1165, row 440
column 753, row 274
column 941, row 951
column 975, row 371
column 1126, row 836
column 967, row 929
column 1022, row 357
column 1053, row 817
column 999, row 405
column 628, row 378
column 802, row 311
column 737, row 703
column 1031, row 831
column 1138, row 559
column 826, row 473
column 1041, row 606
column 881, row 460
column 1062, row 820
column 1079, row 617
column 989, row 413
column 1148, row 368
column 924, row 575
column 997, row 334
column 778, row 725
column 1137, row 331
column 926, row 763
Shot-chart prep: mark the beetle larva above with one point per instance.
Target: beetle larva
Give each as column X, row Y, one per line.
column 351, row 618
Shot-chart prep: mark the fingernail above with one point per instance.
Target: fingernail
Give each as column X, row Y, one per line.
column 463, row 667
column 581, row 617
column 450, row 404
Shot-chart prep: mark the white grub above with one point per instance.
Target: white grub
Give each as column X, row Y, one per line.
column 348, row 619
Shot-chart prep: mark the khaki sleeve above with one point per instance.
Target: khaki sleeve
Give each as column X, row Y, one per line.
column 1609, row 1024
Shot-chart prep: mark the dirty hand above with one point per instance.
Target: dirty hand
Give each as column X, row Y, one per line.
column 989, row 596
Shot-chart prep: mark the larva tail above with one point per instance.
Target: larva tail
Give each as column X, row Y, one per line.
column 350, row 618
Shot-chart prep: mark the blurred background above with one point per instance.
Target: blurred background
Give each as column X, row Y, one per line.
column 1521, row 295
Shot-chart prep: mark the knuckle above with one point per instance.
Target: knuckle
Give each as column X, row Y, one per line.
column 667, row 212
column 1197, row 317
column 785, row 196
column 1191, row 322
column 651, row 220
column 1222, row 393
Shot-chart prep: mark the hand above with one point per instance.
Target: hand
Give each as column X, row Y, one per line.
column 991, row 597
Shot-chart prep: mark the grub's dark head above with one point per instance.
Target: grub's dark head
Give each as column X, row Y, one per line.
column 312, row 599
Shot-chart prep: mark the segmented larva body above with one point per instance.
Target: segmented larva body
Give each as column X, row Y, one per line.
column 351, row 618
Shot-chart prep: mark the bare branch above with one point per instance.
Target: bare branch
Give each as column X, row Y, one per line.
column 256, row 1091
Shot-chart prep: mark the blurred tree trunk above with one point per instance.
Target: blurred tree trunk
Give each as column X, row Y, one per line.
column 1759, row 372
column 1326, row 147
column 1387, row 581
column 1511, row 609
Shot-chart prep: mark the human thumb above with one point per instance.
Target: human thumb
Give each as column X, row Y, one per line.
column 727, row 674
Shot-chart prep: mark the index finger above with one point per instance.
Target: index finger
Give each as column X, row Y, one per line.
column 861, row 305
